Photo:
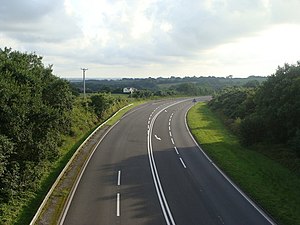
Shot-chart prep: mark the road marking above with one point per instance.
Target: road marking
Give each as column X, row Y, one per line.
column 118, row 204
column 172, row 141
column 220, row 218
column 170, row 133
column 66, row 208
column 183, row 164
column 119, row 178
column 169, row 128
column 159, row 190
column 176, row 150
column 157, row 137
column 226, row 177
column 166, row 111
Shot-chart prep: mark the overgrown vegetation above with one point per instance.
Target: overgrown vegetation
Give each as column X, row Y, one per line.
column 266, row 115
column 270, row 184
column 40, row 120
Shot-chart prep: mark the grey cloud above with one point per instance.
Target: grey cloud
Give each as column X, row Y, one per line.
column 195, row 28
column 37, row 21
column 285, row 11
column 25, row 11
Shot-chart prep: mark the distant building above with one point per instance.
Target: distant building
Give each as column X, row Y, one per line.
column 128, row 90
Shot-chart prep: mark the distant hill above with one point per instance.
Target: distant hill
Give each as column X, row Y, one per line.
column 210, row 84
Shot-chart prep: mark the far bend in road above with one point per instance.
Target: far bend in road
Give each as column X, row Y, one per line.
column 148, row 170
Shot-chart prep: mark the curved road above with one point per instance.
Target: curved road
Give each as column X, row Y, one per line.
column 148, row 170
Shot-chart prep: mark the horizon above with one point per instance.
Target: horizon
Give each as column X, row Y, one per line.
column 159, row 77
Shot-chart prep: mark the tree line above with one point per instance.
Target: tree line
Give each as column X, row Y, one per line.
column 167, row 86
column 268, row 113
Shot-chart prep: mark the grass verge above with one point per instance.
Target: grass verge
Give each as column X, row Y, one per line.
column 268, row 183
column 85, row 124
column 123, row 111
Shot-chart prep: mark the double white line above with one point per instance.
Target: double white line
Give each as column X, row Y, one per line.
column 159, row 190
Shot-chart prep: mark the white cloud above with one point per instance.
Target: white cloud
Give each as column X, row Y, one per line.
column 152, row 36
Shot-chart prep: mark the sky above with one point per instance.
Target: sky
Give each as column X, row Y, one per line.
column 154, row 38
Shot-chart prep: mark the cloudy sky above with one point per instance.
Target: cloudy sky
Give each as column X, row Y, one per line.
column 142, row 38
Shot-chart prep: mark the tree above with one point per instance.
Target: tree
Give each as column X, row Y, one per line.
column 234, row 102
column 35, row 110
column 275, row 117
column 101, row 102
column 278, row 101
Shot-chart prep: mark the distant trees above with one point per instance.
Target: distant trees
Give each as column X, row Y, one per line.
column 35, row 109
column 269, row 112
column 192, row 89
column 173, row 85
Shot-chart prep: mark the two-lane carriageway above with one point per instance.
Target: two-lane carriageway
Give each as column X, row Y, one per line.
column 148, row 170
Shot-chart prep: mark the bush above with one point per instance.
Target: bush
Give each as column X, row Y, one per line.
column 294, row 143
column 252, row 129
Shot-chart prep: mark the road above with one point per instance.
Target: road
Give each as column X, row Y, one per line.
column 148, row 170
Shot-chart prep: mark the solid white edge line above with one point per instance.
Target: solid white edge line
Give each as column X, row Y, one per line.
column 183, row 164
column 72, row 193
column 156, row 182
column 159, row 190
column 38, row 212
column 118, row 204
column 226, row 177
column 119, row 178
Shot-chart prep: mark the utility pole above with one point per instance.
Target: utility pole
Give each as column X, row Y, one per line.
column 83, row 74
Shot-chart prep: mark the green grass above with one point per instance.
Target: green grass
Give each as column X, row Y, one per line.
column 274, row 187
column 84, row 123
column 123, row 111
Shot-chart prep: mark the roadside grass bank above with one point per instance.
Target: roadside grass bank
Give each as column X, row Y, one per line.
column 274, row 187
column 85, row 122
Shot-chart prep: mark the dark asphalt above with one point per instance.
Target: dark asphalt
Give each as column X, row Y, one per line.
column 195, row 191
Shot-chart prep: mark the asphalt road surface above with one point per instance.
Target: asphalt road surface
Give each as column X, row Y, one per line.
column 148, row 170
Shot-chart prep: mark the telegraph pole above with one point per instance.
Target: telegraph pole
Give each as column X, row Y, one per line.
column 83, row 74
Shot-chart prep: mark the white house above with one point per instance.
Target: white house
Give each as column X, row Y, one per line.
column 129, row 90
